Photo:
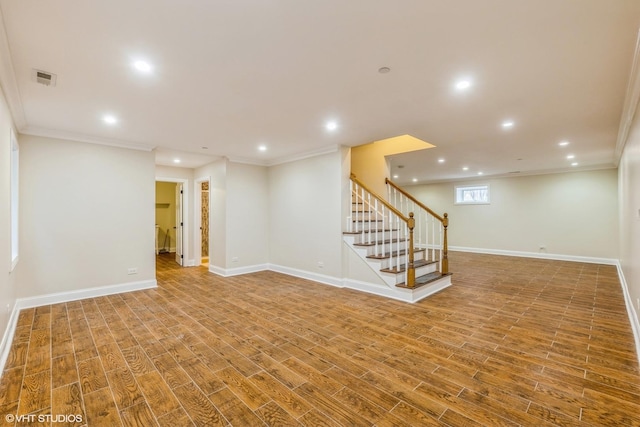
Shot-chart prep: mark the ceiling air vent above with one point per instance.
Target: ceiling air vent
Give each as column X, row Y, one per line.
column 43, row 77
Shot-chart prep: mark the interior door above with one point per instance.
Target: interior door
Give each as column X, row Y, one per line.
column 179, row 224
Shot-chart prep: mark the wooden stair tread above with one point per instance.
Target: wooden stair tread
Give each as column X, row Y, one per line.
column 386, row 230
column 424, row 280
column 385, row 242
column 392, row 254
column 402, row 268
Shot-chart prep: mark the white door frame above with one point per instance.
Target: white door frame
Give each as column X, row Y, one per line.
column 185, row 218
column 197, row 202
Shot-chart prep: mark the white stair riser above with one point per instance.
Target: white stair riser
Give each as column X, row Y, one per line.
column 374, row 236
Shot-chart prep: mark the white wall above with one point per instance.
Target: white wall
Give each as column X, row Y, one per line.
column 7, row 282
column 572, row 214
column 305, row 210
column 87, row 216
column 629, row 187
column 247, row 215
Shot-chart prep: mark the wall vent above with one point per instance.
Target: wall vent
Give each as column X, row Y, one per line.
column 43, row 77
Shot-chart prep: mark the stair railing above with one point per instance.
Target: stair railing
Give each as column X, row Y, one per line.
column 377, row 221
column 431, row 229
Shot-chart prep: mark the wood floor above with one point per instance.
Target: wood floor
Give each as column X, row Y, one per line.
column 512, row 342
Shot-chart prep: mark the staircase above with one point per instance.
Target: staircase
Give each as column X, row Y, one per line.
column 403, row 241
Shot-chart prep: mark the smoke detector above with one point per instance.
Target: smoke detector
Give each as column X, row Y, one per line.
column 43, row 77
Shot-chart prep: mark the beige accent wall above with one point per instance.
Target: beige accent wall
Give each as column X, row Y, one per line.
column 87, row 216
column 629, row 209
column 369, row 162
column 166, row 215
column 572, row 214
column 8, row 287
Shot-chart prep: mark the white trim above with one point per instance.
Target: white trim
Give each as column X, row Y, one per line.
column 399, row 294
column 320, row 278
column 59, row 297
column 7, row 338
column 557, row 257
column 286, row 159
column 631, row 311
column 77, row 137
column 228, row 272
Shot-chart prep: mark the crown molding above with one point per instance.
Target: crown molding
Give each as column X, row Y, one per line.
column 285, row 159
column 71, row 136
column 632, row 98
column 8, row 80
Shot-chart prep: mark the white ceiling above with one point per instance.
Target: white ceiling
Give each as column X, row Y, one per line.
column 231, row 75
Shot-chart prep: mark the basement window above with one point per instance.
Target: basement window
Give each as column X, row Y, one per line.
column 472, row 195
column 13, row 201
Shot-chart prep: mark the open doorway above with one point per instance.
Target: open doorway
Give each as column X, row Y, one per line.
column 202, row 215
column 170, row 220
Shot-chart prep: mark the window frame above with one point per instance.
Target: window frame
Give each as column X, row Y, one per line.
column 459, row 189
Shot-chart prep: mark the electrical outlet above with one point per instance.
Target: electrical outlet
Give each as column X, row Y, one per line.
column 133, row 270
column 543, row 248
column 234, row 259
column 320, row 264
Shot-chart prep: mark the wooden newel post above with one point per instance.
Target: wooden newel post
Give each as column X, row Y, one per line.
column 445, row 249
column 411, row 270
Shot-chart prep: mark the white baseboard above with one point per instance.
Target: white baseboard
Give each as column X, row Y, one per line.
column 540, row 255
column 228, row 272
column 631, row 311
column 309, row 275
column 60, row 297
column 99, row 291
column 7, row 338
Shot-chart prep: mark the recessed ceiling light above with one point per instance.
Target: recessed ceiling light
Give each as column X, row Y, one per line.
column 142, row 66
column 571, row 156
column 262, row 148
column 574, row 164
column 480, row 173
column 384, row 70
column 110, row 119
column 507, row 124
column 563, row 143
column 440, row 160
column 465, row 168
column 415, row 180
column 332, row 125
column 176, row 160
column 463, row 84
column 395, row 176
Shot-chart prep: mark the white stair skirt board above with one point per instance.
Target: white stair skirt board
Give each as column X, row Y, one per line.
column 400, row 294
column 60, row 297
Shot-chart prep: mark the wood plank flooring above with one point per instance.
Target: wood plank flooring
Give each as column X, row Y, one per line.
column 512, row 342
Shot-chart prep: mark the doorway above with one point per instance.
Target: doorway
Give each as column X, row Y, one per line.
column 170, row 220
column 202, row 208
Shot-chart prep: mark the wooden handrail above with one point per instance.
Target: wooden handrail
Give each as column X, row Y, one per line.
column 414, row 200
column 443, row 219
column 383, row 201
column 411, row 223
